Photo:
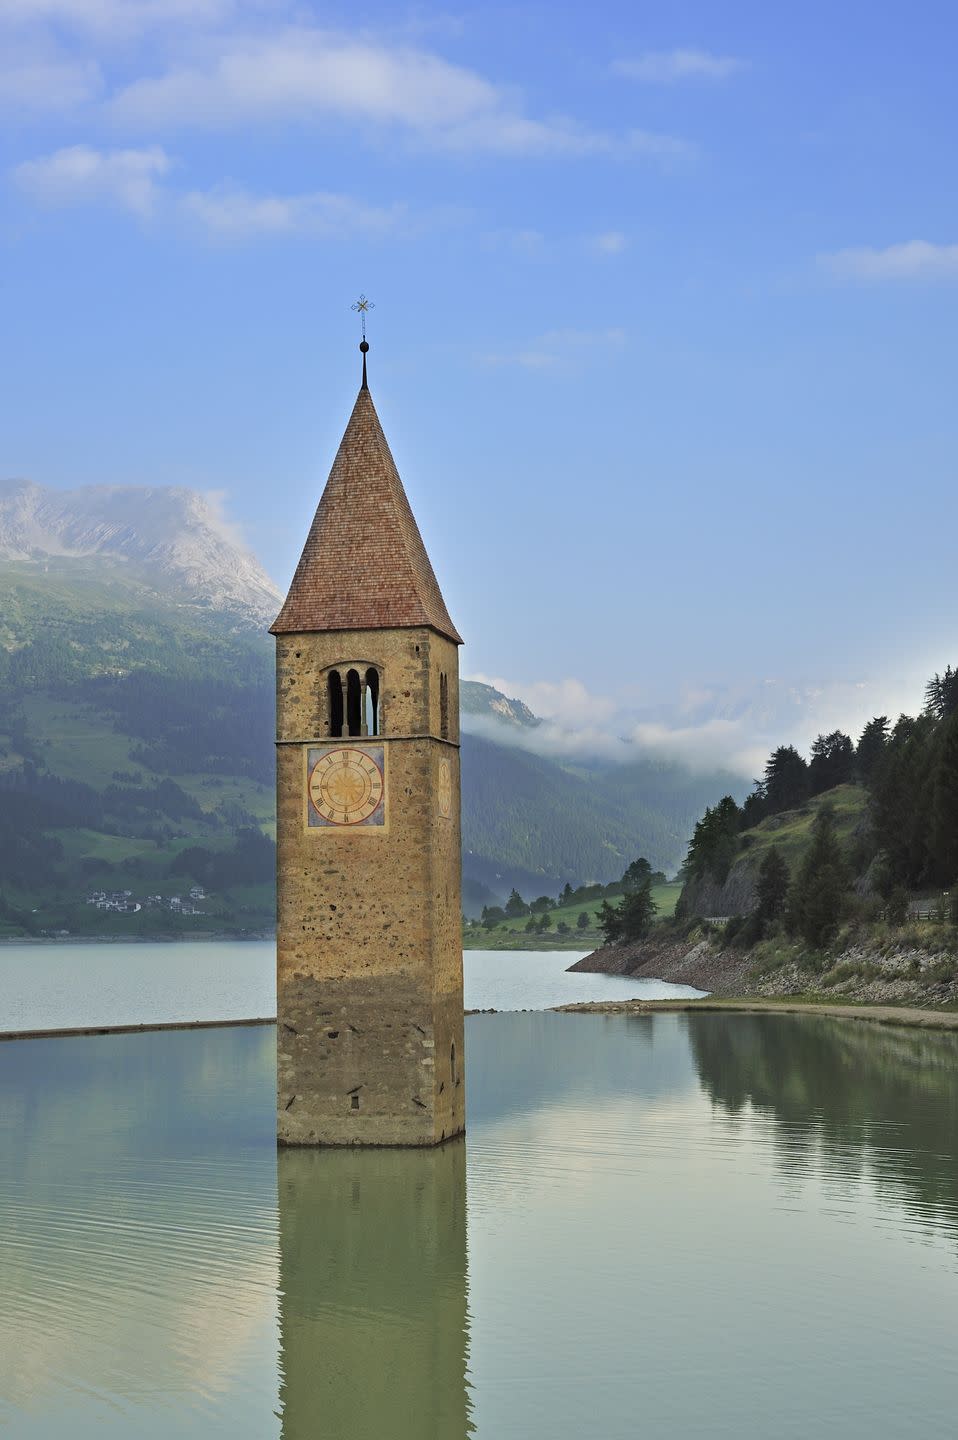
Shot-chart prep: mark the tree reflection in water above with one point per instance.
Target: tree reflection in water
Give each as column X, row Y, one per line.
column 373, row 1314
column 861, row 1095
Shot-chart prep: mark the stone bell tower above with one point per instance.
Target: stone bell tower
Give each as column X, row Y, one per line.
column 369, row 951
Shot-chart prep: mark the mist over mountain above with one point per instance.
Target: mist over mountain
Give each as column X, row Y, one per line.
column 172, row 536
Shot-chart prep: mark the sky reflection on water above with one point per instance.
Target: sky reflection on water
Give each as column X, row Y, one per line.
column 696, row 1225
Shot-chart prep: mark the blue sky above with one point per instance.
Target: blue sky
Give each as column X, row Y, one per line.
column 666, row 304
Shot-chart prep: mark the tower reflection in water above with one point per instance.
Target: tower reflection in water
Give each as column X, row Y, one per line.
column 373, row 1315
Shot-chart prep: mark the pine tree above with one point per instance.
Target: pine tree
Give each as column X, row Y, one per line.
column 772, row 886
column 871, row 747
column 516, row 906
column 833, row 762
column 944, row 805
column 583, row 921
column 631, row 919
column 817, row 896
column 785, row 780
column 636, row 875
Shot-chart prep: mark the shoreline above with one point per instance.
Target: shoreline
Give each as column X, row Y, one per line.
column 903, row 1016
column 140, row 1029
column 205, row 936
column 907, row 1017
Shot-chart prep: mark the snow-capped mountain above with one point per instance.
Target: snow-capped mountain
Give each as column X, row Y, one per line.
column 177, row 538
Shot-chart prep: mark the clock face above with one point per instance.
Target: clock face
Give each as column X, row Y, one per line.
column 345, row 786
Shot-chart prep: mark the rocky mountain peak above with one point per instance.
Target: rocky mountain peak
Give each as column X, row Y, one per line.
column 177, row 538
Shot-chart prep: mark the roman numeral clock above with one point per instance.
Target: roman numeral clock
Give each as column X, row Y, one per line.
column 346, row 785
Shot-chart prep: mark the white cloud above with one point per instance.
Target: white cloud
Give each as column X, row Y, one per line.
column 232, row 212
column 300, row 73
column 610, row 242
column 666, row 67
column 53, row 83
column 665, row 150
column 909, row 260
column 79, row 173
column 706, row 727
column 557, row 349
column 566, row 702
column 121, row 18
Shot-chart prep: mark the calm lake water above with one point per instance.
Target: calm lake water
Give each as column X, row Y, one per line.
column 670, row 1226
column 66, row 987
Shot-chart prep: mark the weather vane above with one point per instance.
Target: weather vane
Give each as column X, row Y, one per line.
column 363, row 306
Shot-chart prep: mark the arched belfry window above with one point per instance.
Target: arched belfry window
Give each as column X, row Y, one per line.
column 335, row 692
column 371, row 702
column 353, row 701
column 444, row 706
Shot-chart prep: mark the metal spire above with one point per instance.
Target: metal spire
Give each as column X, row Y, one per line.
column 363, row 306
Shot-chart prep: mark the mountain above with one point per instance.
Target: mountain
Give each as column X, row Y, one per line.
column 534, row 822
column 479, row 700
column 172, row 537
column 136, row 733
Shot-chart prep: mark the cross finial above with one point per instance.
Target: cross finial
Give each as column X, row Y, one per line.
column 363, row 306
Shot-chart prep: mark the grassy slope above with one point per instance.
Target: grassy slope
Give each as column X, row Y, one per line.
column 513, row 935
column 791, row 831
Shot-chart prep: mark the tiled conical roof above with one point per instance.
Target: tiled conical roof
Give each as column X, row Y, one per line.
column 364, row 566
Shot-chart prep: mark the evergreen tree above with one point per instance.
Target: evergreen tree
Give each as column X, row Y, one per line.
column 832, row 763
column 772, row 886
column 516, row 906
column 871, row 747
column 583, row 921
column 941, row 694
column 754, row 806
column 567, row 893
column 816, row 898
column 636, row 875
column 902, row 787
column 543, row 923
column 785, row 779
column 714, row 841
column 944, row 804
column 631, row 919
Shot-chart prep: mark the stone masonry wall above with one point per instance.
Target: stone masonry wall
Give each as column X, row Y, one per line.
column 369, row 959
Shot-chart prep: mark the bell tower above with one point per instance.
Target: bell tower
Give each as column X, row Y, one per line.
column 369, row 950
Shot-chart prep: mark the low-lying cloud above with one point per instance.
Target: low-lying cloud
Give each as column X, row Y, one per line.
column 705, row 728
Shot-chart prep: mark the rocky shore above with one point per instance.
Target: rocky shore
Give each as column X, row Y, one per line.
column 870, row 970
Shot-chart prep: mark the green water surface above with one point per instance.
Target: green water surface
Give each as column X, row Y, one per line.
column 681, row 1225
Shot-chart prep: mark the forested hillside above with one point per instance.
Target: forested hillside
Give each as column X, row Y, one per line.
column 854, row 830
column 544, row 823
column 136, row 755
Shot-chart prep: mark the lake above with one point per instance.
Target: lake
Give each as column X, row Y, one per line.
column 72, row 986
column 673, row 1225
